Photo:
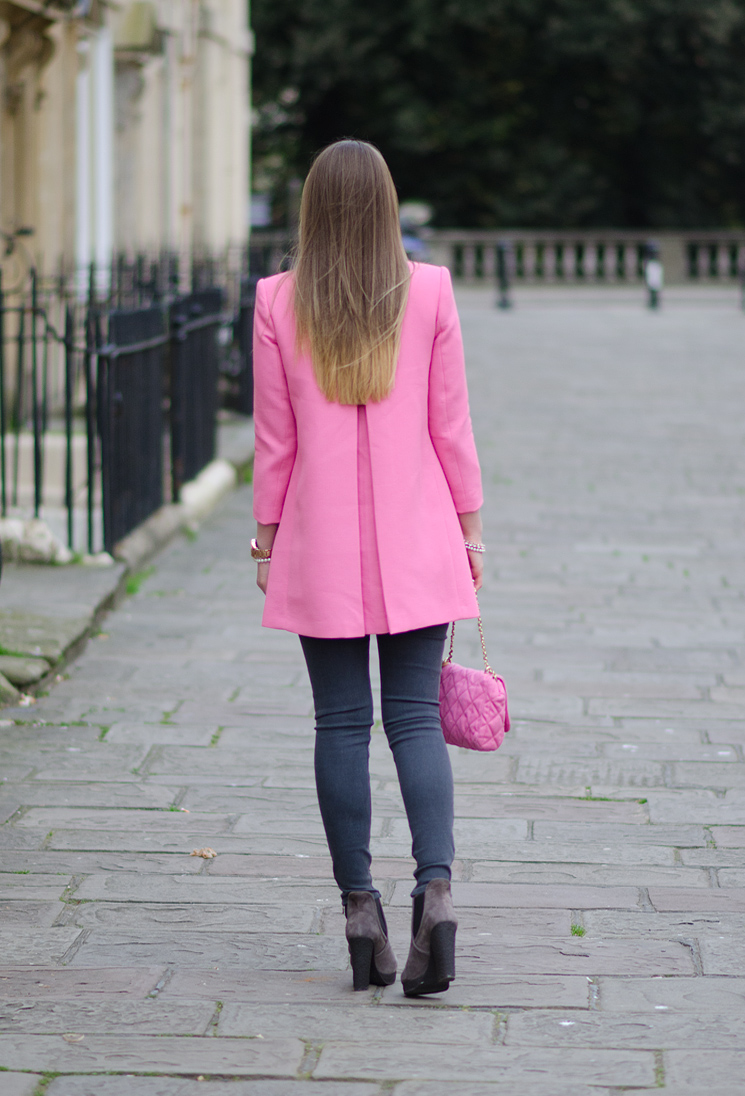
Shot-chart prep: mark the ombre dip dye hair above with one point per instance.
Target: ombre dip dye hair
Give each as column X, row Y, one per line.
column 351, row 273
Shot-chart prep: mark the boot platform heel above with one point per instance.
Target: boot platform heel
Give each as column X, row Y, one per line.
column 442, row 948
column 370, row 953
column 430, row 967
column 361, row 956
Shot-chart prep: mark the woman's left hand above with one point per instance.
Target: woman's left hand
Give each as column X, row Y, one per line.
column 265, row 535
column 262, row 577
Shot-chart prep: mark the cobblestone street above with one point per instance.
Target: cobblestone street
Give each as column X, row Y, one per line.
column 600, row 878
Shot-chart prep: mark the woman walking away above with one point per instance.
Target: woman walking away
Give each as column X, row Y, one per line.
column 367, row 496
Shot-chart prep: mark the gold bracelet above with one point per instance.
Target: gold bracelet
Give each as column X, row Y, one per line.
column 261, row 555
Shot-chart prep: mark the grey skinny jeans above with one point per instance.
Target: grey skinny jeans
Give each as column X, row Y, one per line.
column 410, row 664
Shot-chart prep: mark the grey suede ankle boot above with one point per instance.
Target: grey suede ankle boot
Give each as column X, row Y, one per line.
column 367, row 935
column 430, row 967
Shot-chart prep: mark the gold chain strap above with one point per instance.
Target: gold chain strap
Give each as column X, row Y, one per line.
column 487, row 667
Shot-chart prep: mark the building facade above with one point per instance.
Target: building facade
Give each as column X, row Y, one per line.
column 124, row 128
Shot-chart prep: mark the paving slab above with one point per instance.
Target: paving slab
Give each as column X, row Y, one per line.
column 614, row 875
column 632, row 1030
column 588, row 956
column 206, row 888
column 321, row 1023
column 249, row 951
column 20, row 1084
column 146, row 1053
column 697, row 1072
column 668, row 926
column 52, row 983
column 457, row 1064
column 183, row 916
column 37, row 945
column 713, row 995
column 715, row 899
column 555, row 1087
column 30, row 913
column 95, row 794
column 534, row 895
column 149, row 1017
column 175, row 1086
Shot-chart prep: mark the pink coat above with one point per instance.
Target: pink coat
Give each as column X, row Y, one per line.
column 422, row 466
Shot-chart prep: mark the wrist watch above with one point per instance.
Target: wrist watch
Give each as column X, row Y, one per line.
column 260, row 554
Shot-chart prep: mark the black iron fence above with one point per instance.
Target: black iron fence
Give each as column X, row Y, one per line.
column 110, row 387
column 195, row 371
column 131, row 380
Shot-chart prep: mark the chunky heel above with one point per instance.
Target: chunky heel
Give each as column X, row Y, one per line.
column 430, row 967
column 361, row 954
column 367, row 935
column 442, row 948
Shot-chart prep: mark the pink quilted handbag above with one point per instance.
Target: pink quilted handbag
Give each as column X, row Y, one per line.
column 473, row 703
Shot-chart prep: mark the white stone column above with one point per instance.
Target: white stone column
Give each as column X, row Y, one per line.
column 102, row 90
column 83, row 203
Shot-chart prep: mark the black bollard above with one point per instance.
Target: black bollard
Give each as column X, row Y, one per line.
column 504, row 263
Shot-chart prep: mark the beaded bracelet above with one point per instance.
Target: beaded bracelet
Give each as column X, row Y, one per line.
column 471, row 547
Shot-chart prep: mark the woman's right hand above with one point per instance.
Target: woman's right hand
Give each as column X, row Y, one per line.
column 477, row 569
column 472, row 530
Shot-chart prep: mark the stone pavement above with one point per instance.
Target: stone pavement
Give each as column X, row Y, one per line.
column 600, row 877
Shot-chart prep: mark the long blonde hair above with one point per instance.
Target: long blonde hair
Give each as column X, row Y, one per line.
column 351, row 274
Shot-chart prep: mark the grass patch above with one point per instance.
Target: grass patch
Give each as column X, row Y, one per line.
column 596, row 798
column 44, row 1083
column 135, row 581
column 216, row 736
column 578, row 930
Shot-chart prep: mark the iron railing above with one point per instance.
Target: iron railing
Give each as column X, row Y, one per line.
column 131, row 374
column 238, row 374
column 195, row 373
column 109, row 389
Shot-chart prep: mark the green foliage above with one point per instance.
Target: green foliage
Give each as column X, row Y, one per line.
column 578, row 930
column 135, row 581
column 516, row 112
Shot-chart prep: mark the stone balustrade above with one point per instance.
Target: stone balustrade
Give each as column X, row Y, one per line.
column 583, row 256
column 588, row 256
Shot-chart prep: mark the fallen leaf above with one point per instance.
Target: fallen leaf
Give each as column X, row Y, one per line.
column 206, row 854
column 73, row 1037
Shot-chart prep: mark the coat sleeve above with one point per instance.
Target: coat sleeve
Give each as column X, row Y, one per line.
column 449, row 416
column 274, row 419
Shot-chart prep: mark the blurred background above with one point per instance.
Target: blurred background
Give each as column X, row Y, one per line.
column 515, row 113
column 152, row 156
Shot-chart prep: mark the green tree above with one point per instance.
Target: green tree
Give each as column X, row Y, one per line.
column 517, row 112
